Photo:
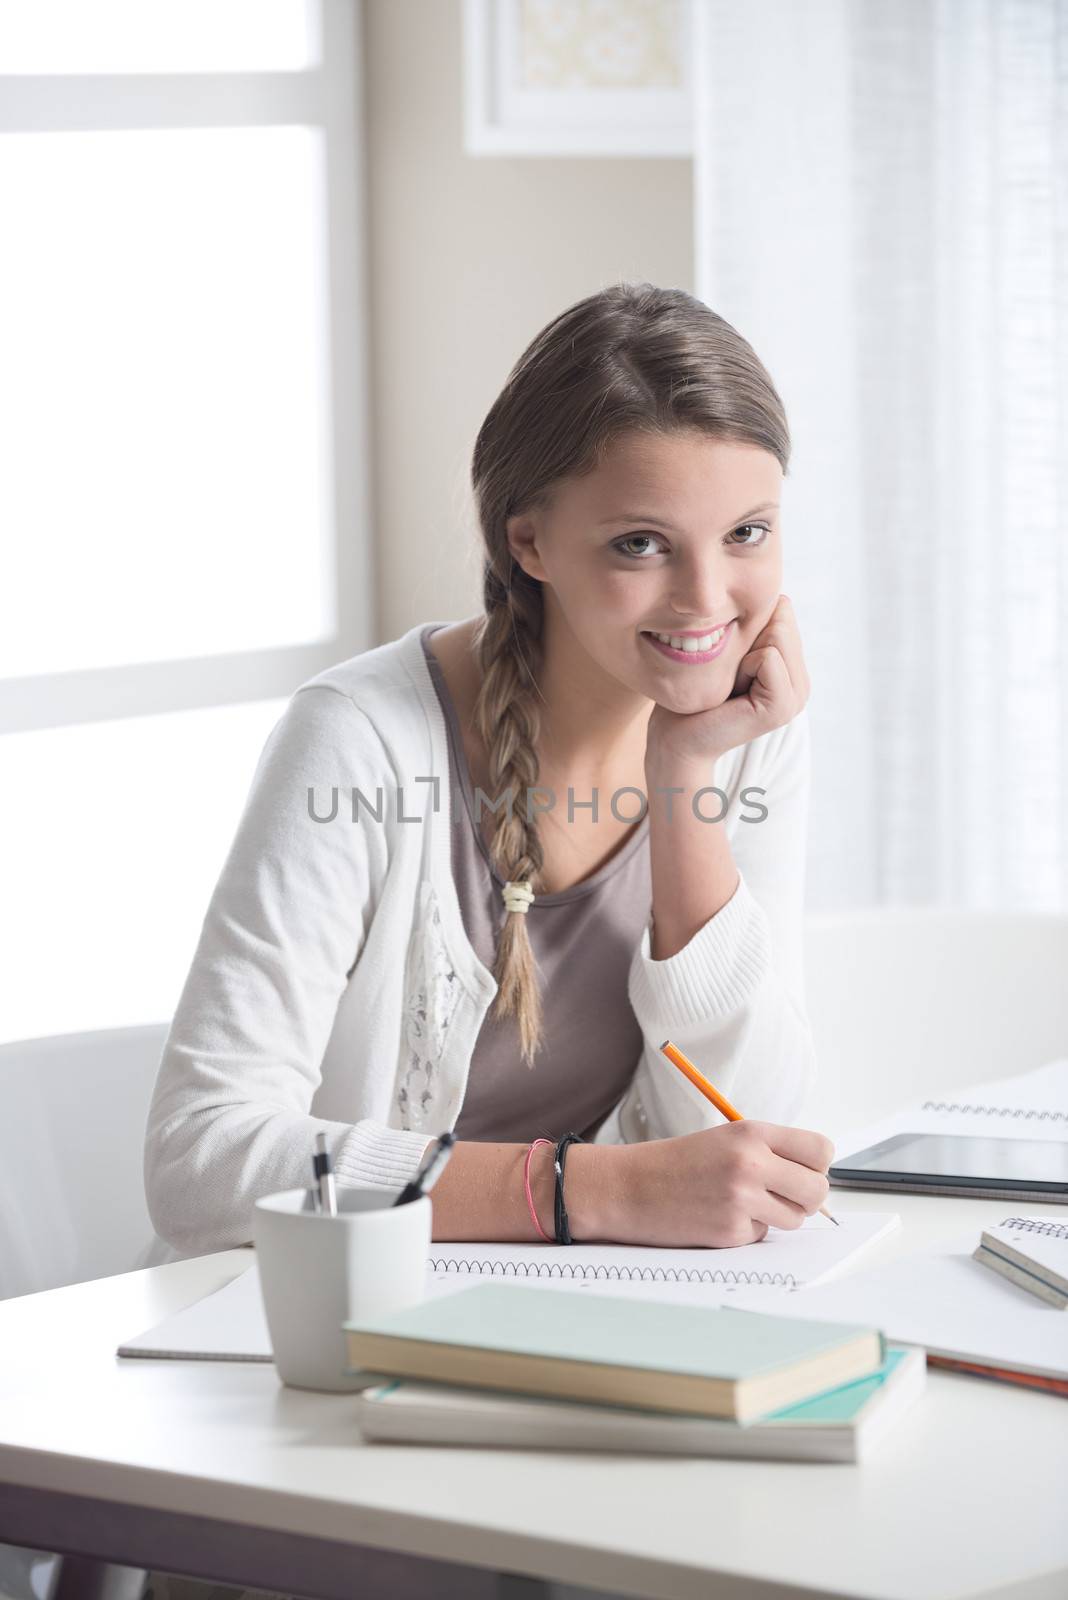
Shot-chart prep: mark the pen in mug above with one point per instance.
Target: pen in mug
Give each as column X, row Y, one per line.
column 699, row 1081
column 429, row 1172
column 325, row 1193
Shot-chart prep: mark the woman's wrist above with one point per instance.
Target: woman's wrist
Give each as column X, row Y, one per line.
column 664, row 767
column 595, row 1192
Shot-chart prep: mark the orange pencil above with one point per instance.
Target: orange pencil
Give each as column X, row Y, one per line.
column 699, row 1081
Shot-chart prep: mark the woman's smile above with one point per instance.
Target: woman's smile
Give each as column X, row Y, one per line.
column 691, row 653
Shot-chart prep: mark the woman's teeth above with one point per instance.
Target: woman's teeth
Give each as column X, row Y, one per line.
column 676, row 641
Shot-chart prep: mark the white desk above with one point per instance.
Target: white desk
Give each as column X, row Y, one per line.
column 215, row 1469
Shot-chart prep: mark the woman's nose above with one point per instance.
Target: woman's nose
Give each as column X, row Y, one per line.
column 702, row 596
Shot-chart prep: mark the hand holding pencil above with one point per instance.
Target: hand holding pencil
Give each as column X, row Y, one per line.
column 715, row 1188
column 699, row 1081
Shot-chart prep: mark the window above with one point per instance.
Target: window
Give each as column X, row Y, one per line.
column 183, row 502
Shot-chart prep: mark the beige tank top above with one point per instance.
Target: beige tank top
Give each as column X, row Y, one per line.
column 583, row 940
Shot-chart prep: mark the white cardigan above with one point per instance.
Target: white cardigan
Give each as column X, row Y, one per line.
column 333, row 986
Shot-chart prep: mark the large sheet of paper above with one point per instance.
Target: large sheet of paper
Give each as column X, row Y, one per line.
column 947, row 1302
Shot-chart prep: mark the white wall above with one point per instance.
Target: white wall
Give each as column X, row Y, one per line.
column 469, row 258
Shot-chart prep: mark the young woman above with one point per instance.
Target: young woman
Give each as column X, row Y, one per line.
column 486, row 869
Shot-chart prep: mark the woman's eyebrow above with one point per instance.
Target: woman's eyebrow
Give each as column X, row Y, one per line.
column 641, row 516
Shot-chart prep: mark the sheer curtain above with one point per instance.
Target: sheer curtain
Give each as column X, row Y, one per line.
column 881, row 210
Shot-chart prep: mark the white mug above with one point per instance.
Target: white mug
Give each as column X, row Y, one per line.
column 318, row 1271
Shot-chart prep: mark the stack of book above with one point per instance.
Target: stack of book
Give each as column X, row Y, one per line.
column 511, row 1364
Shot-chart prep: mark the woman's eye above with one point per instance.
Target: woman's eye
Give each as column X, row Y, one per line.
column 759, row 527
column 640, row 538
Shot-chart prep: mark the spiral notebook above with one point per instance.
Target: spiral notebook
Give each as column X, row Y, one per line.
column 1031, row 1252
column 1030, row 1101
column 1028, row 1105
column 231, row 1325
column 784, row 1259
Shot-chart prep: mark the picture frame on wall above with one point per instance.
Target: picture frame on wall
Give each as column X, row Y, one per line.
column 544, row 78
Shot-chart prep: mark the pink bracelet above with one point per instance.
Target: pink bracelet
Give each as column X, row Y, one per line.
column 526, row 1186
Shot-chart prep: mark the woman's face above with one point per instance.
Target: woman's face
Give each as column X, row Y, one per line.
column 675, row 534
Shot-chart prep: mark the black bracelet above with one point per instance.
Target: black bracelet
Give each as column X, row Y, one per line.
column 563, row 1231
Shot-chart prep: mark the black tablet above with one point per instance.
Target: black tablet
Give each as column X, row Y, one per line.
column 944, row 1163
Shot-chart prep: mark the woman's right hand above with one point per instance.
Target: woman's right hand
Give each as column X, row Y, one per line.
column 721, row 1186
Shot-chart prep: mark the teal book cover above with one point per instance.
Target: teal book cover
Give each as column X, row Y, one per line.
column 839, row 1405
column 701, row 1341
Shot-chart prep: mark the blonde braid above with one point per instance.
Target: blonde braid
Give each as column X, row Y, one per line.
column 507, row 718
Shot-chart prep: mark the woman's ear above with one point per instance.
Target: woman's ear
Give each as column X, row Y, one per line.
column 522, row 534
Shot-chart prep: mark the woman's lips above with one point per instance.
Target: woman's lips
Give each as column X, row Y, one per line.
column 694, row 657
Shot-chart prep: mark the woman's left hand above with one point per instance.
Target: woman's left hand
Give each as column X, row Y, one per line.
column 771, row 687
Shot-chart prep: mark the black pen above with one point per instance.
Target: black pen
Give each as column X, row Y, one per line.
column 325, row 1194
column 429, row 1173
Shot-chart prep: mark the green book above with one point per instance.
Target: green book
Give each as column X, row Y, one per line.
column 711, row 1361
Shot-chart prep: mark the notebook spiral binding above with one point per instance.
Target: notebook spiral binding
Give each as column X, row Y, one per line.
column 1056, row 1230
column 540, row 1269
column 1024, row 1113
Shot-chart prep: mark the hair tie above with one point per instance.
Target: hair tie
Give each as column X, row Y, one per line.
column 526, row 1185
column 517, row 896
column 563, row 1227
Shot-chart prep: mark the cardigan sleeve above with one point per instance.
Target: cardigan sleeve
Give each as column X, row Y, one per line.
column 732, row 999
column 229, row 1118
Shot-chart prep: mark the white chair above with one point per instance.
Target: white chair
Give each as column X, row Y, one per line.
column 72, row 1197
column 72, row 1207
column 906, row 1003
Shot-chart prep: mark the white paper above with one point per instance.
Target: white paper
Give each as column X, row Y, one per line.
column 228, row 1325
column 947, row 1302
